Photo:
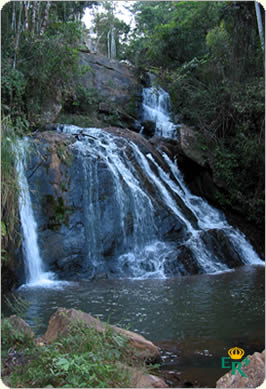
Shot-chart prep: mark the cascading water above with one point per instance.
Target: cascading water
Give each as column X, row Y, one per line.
column 34, row 269
column 145, row 254
column 155, row 107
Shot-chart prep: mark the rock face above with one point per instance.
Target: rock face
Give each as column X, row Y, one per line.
column 116, row 86
column 106, row 81
column 62, row 318
column 196, row 164
column 255, row 373
column 59, row 188
column 114, row 81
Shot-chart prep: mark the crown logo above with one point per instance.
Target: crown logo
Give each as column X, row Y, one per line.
column 236, row 353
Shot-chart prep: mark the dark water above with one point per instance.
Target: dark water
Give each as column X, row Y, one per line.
column 194, row 319
column 215, row 306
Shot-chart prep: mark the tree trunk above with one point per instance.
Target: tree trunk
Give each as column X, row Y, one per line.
column 26, row 19
column 38, row 17
column 108, row 45
column 98, row 41
column 17, row 35
column 33, row 17
column 13, row 20
column 113, row 44
column 45, row 17
column 260, row 25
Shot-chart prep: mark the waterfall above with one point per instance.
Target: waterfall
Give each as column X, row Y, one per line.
column 34, row 269
column 132, row 174
column 155, row 107
column 131, row 213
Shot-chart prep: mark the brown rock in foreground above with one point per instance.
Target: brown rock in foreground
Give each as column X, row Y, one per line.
column 59, row 325
column 20, row 325
column 255, row 372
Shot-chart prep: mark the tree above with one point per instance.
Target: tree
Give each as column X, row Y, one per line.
column 111, row 32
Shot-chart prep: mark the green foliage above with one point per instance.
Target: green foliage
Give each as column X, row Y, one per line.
column 13, row 85
column 82, row 358
column 86, row 99
column 240, row 166
column 9, row 190
column 11, row 337
column 43, row 64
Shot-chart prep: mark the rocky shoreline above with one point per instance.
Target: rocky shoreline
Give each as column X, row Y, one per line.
column 183, row 363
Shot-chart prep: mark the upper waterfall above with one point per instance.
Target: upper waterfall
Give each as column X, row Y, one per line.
column 156, row 107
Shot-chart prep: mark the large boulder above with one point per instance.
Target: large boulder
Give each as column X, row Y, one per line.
column 255, row 372
column 59, row 324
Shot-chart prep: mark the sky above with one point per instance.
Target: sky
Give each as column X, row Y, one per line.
column 122, row 13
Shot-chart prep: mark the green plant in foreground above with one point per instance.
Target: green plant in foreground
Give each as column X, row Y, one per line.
column 82, row 358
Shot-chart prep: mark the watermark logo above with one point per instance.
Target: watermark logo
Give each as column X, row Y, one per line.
column 235, row 353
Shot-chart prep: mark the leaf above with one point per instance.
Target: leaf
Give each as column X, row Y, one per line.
column 63, row 363
column 3, row 228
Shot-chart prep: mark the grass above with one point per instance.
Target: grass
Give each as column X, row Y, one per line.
column 82, row 359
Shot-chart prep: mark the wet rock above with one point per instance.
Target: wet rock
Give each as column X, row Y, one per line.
column 59, row 324
column 60, row 192
column 217, row 241
column 255, row 372
column 148, row 128
column 189, row 264
column 169, row 226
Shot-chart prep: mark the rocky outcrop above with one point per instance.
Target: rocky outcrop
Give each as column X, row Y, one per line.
column 59, row 324
column 114, row 81
column 115, row 87
column 255, row 372
column 105, row 81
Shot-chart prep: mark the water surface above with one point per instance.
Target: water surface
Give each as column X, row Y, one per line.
column 218, row 306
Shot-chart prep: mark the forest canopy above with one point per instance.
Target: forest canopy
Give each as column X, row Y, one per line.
column 208, row 55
